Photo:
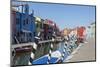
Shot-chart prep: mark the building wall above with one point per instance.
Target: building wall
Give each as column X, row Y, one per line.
column 65, row 32
column 93, row 30
column 25, row 27
column 90, row 30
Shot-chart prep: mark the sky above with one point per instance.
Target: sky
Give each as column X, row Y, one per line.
column 68, row 15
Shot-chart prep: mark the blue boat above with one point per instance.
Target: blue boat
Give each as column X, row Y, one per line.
column 44, row 59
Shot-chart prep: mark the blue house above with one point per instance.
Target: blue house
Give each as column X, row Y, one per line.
column 24, row 24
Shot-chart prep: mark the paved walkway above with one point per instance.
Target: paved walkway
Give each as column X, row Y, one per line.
column 86, row 52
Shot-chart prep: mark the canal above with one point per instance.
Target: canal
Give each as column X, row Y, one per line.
column 43, row 49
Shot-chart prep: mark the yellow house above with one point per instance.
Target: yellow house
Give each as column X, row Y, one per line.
column 65, row 32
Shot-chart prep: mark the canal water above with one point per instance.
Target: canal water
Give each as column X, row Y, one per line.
column 21, row 59
column 42, row 50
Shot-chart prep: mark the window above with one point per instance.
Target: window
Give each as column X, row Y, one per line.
column 30, row 34
column 17, row 21
column 41, row 25
column 26, row 21
column 37, row 25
